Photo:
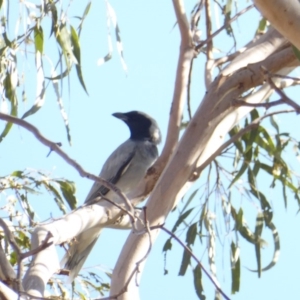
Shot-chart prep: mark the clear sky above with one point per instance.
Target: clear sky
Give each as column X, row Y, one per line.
column 151, row 44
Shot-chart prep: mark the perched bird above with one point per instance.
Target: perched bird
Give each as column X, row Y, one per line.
column 125, row 167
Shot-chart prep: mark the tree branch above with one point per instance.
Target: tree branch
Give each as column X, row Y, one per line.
column 209, row 38
column 284, row 16
column 54, row 147
column 186, row 55
column 215, row 112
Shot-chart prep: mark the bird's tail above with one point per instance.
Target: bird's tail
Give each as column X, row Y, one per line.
column 78, row 252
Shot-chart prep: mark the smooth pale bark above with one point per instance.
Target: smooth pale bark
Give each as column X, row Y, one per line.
column 7, row 293
column 215, row 108
column 284, row 16
column 46, row 262
column 203, row 133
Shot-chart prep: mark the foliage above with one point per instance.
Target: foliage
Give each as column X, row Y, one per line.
column 211, row 217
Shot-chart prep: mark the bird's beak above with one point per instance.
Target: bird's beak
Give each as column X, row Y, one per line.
column 120, row 116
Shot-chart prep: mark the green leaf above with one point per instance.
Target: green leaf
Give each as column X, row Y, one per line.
column 256, row 167
column 68, row 190
column 191, row 234
column 85, row 13
column 181, row 219
column 274, row 124
column 235, row 269
column 64, row 40
column 54, row 26
column 57, row 197
column 237, row 143
column 26, row 206
column 241, row 226
column 245, row 165
column 257, row 246
column 186, row 260
column 23, row 240
column 202, row 218
column 276, row 239
column 262, row 26
column 167, row 245
column 266, row 207
column 38, row 39
column 267, row 168
column 191, row 197
column 197, row 272
column 10, row 94
column 267, row 142
column 13, row 258
column 60, row 76
column 18, row 174
column 76, row 51
column 296, row 52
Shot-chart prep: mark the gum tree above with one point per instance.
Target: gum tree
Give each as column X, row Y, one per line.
column 227, row 121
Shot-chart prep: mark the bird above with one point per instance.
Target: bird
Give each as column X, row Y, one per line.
column 124, row 168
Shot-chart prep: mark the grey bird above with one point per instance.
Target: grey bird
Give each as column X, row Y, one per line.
column 125, row 167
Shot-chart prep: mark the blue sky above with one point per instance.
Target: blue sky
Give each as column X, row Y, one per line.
column 151, row 47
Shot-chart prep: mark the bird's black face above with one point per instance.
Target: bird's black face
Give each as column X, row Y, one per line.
column 141, row 126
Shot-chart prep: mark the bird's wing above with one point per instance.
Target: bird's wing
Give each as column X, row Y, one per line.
column 116, row 165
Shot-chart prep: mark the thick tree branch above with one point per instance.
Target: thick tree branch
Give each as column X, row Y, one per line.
column 215, row 109
column 7, row 294
column 284, row 16
column 186, row 56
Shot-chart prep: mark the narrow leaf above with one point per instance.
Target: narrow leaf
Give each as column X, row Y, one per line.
column 167, row 245
column 181, row 219
column 85, row 13
column 76, row 51
column 258, row 232
column 68, row 190
column 191, row 234
column 235, row 269
column 186, row 260
column 38, row 39
column 197, row 272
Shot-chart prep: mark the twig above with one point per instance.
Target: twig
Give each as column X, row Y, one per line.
column 188, row 96
column 129, row 213
column 199, row 46
column 283, row 96
column 45, row 244
column 54, row 147
column 218, row 288
column 209, row 46
column 265, row 104
column 285, row 77
column 186, row 56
